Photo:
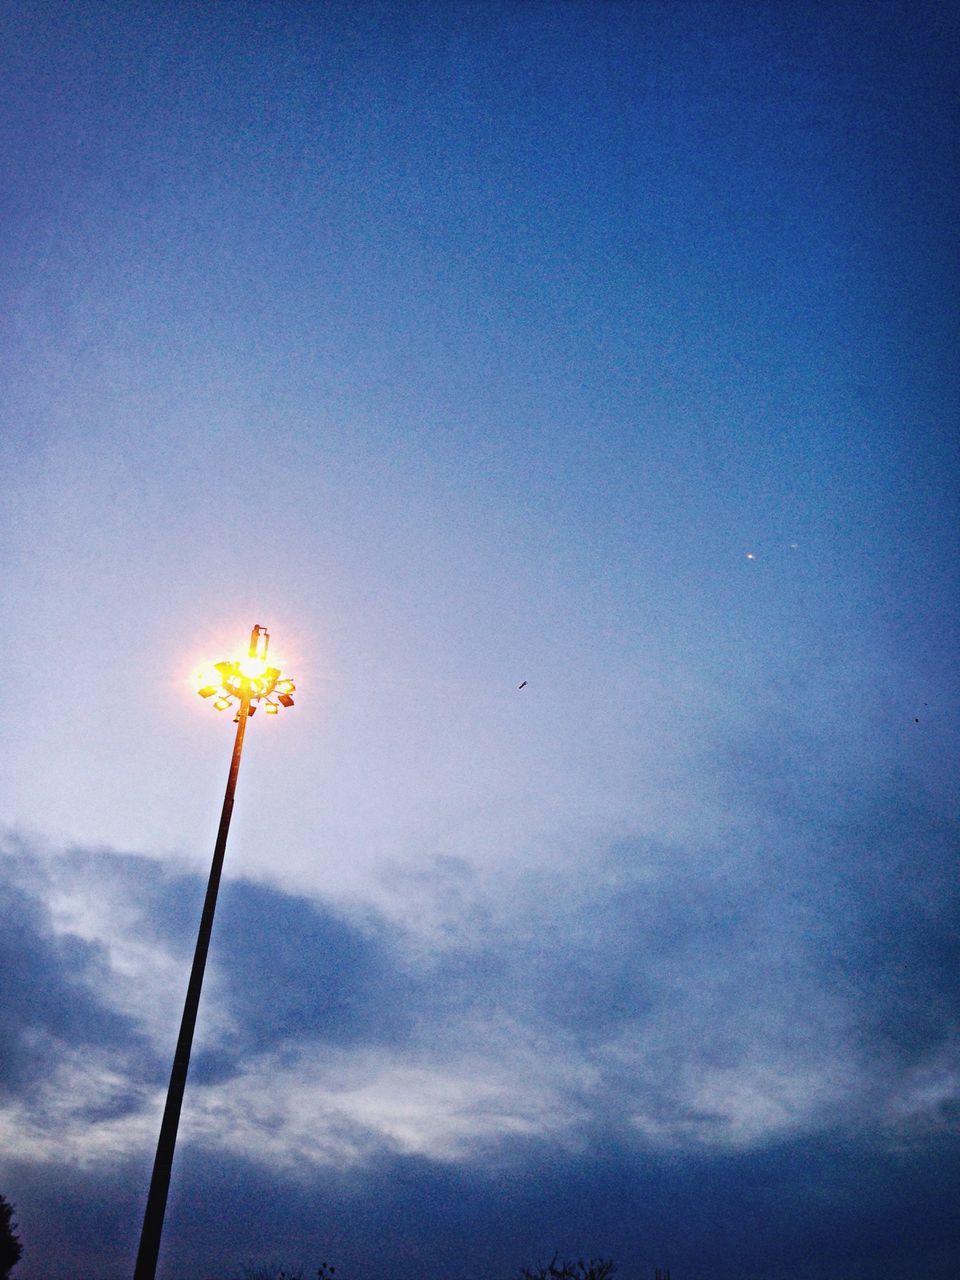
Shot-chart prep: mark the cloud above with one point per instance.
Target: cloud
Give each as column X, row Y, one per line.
column 807, row 1208
column 49, row 1005
column 289, row 968
column 771, row 1010
column 791, row 976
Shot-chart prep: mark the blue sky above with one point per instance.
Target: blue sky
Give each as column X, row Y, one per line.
column 610, row 347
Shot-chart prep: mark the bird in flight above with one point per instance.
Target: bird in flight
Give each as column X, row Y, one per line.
column 522, row 686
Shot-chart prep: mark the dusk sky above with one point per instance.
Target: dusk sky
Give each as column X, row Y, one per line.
column 610, row 347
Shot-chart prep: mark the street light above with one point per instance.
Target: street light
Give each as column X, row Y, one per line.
column 243, row 683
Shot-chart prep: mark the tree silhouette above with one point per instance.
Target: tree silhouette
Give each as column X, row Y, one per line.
column 595, row 1269
column 273, row 1272
column 11, row 1250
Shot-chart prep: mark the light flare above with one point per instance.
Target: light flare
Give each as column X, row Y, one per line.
column 247, row 677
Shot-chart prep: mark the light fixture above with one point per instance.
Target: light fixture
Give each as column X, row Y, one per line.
column 243, row 680
column 247, row 679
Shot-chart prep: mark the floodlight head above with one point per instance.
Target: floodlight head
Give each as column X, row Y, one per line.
column 247, row 679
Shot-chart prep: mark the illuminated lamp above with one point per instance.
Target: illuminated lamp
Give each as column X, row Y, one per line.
column 248, row 680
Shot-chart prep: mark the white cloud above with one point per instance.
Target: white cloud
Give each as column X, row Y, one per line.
column 454, row 1104
column 67, row 1120
column 548, row 1014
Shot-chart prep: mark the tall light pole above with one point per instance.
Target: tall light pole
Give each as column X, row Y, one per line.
column 243, row 682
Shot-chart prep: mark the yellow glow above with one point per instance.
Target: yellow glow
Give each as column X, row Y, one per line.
column 252, row 668
column 245, row 677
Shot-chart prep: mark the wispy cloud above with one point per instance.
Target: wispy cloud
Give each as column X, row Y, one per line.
column 790, row 978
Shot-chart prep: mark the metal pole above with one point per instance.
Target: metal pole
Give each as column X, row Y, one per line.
column 160, row 1182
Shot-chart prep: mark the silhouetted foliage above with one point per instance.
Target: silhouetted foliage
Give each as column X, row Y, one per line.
column 273, row 1272
column 11, row 1250
column 595, row 1269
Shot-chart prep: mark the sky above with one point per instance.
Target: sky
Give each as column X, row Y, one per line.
column 608, row 347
